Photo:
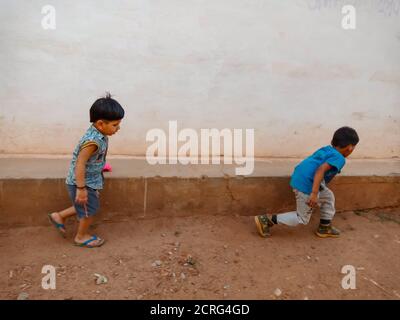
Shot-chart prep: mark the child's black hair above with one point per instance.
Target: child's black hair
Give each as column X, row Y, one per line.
column 345, row 136
column 106, row 109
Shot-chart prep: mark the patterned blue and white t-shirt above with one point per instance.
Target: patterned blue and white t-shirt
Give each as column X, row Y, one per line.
column 94, row 166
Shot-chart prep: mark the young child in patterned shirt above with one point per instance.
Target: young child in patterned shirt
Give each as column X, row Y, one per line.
column 85, row 176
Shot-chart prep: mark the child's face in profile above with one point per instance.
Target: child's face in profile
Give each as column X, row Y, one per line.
column 108, row 128
column 348, row 150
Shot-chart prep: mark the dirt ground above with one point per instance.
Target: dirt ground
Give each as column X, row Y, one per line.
column 207, row 257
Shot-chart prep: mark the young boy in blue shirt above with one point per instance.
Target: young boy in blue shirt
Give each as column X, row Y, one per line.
column 309, row 182
column 85, row 176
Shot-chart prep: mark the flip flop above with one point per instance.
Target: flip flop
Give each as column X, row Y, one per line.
column 87, row 245
column 59, row 226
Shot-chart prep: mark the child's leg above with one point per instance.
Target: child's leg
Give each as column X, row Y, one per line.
column 61, row 216
column 288, row 218
column 85, row 215
column 69, row 212
column 327, row 205
column 84, row 236
column 301, row 216
column 325, row 229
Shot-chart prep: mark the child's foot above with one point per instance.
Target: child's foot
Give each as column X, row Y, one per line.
column 89, row 241
column 58, row 222
column 263, row 224
column 326, row 231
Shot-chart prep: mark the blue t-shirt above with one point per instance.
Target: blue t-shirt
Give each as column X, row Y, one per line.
column 303, row 175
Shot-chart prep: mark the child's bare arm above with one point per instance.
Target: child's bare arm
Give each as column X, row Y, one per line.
column 80, row 170
column 318, row 177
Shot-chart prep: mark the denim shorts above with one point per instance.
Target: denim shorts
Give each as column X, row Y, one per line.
column 92, row 205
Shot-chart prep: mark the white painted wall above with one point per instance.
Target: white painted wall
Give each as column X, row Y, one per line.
column 285, row 68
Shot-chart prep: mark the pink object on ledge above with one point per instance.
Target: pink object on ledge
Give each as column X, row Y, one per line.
column 107, row 168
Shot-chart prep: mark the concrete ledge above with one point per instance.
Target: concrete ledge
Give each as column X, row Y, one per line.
column 26, row 201
column 32, row 187
column 46, row 166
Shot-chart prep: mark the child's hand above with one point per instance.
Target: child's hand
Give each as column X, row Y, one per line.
column 312, row 200
column 81, row 196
